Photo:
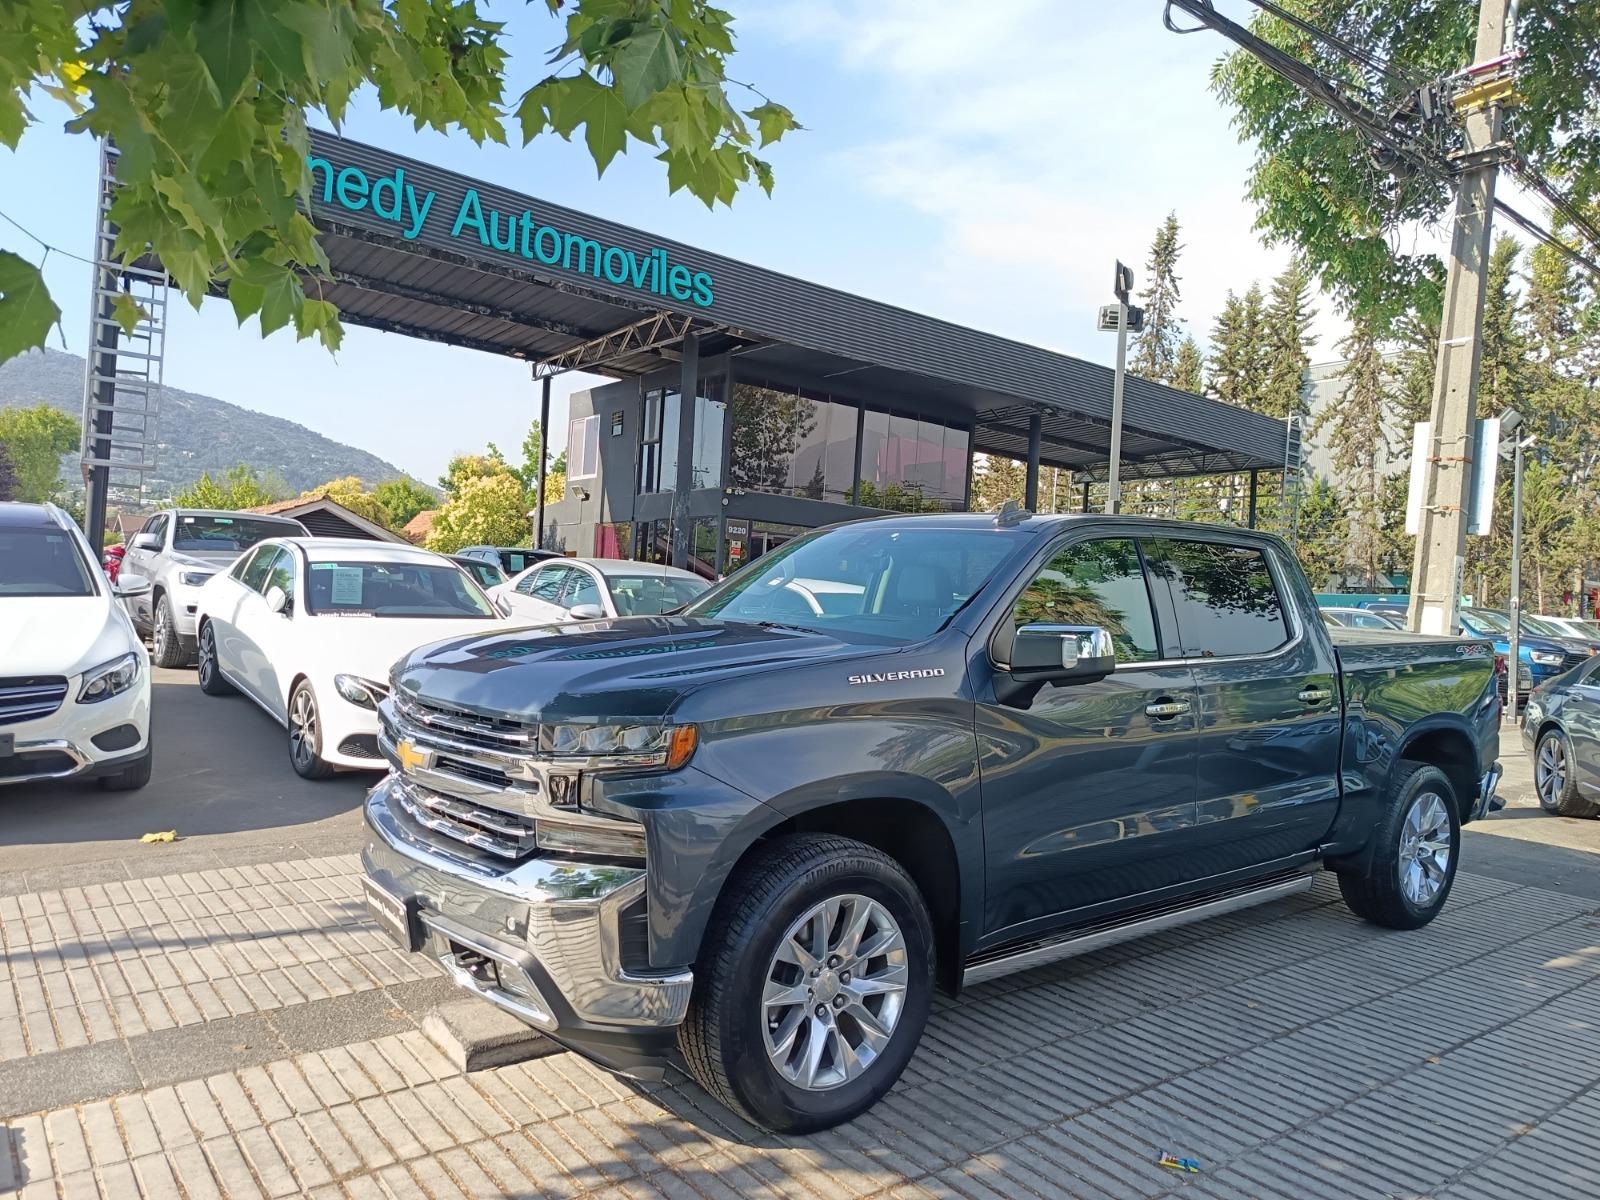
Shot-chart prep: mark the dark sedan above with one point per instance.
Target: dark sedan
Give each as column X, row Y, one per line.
column 1561, row 730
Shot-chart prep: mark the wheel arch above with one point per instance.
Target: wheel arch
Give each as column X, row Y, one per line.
column 1450, row 748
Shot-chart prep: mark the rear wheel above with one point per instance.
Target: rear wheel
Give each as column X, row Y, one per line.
column 1413, row 862
column 816, row 986
column 305, row 734
column 212, row 682
column 1555, row 780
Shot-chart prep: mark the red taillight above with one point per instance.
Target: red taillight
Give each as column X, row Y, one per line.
column 1500, row 665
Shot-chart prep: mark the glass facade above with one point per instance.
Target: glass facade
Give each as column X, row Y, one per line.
column 658, row 438
column 913, row 466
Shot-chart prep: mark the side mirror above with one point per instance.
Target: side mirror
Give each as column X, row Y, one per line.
column 586, row 612
column 1059, row 653
column 131, row 585
column 277, row 599
column 147, row 541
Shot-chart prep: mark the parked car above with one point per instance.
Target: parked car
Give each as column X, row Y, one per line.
column 760, row 835
column 1577, row 627
column 309, row 627
column 586, row 589
column 1561, row 733
column 1397, row 611
column 178, row 550
column 1544, row 627
column 511, row 559
column 488, row 574
column 75, row 693
column 1358, row 618
column 1538, row 658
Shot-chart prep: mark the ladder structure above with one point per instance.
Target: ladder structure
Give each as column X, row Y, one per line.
column 123, row 375
column 1293, row 469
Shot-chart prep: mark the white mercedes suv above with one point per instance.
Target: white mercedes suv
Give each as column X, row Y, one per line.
column 74, row 677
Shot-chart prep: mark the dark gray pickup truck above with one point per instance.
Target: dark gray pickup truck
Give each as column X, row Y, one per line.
column 899, row 755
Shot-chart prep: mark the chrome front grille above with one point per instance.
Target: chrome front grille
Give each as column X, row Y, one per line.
column 29, row 698
column 490, row 733
column 494, row 830
column 1575, row 658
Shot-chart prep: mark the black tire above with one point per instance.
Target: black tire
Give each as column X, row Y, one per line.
column 166, row 646
column 1555, row 781
column 133, row 776
column 1379, row 894
column 212, row 681
column 305, row 740
column 723, row 1038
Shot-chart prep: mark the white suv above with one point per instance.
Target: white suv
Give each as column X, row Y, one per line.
column 177, row 550
column 74, row 677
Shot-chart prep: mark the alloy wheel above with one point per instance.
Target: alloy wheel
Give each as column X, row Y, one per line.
column 1425, row 849
column 158, row 637
column 834, row 991
column 1550, row 771
column 302, row 726
column 207, row 654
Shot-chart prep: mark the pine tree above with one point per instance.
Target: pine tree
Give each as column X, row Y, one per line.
column 1503, row 373
column 1189, row 371
column 1238, row 357
column 1286, row 336
column 1155, row 354
column 999, row 480
column 1358, row 429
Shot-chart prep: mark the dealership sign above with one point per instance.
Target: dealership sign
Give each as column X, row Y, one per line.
column 394, row 198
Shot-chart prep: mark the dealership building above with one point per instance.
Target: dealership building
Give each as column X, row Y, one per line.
column 745, row 405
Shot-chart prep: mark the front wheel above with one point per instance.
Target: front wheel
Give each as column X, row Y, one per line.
column 1556, row 781
column 212, row 682
column 1416, row 845
column 305, row 735
column 815, row 987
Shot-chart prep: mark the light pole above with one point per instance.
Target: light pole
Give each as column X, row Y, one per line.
column 1124, row 318
column 1514, row 668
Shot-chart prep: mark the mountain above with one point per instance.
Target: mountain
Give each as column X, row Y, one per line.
column 198, row 433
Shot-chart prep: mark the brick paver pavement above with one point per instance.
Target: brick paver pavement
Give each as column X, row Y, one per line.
column 1293, row 1050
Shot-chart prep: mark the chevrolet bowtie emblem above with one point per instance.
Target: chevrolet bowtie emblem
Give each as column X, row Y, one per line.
column 412, row 757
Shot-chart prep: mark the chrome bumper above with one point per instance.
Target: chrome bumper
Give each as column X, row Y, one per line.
column 1488, row 799
column 80, row 761
column 539, row 939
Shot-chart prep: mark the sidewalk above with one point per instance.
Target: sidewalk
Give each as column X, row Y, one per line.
column 245, row 1032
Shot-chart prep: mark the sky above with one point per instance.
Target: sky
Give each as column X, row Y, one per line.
column 983, row 163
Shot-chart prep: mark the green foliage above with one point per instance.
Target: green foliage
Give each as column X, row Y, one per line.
column 1188, row 370
column 482, row 510
column 352, row 493
column 240, row 487
column 1156, row 348
column 403, row 499
column 1287, row 337
column 34, row 439
column 1320, row 528
column 1239, row 352
column 8, row 475
column 999, row 480
column 208, row 102
column 463, row 467
column 1314, row 182
column 1357, row 425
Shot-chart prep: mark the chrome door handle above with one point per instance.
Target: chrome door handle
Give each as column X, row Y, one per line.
column 1164, row 709
column 1315, row 695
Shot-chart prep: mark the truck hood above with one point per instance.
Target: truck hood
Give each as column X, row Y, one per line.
column 210, row 562
column 631, row 668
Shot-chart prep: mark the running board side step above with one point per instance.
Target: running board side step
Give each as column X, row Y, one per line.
column 1037, row 955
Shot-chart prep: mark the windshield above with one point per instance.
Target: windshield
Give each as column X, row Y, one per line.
column 651, row 595
column 1543, row 628
column 393, row 589
column 226, row 535
column 864, row 582
column 1482, row 618
column 486, row 573
column 516, row 561
column 42, row 562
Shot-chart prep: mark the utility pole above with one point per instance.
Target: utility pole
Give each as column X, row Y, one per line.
column 1514, row 665
column 1447, row 481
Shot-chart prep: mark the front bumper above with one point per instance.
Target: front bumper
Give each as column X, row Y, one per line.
column 80, row 740
column 540, row 940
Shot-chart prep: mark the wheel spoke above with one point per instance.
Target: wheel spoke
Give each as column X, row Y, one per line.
column 860, row 913
column 884, row 983
column 782, row 1040
column 823, row 925
column 791, row 950
column 779, row 994
column 874, row 1033
column 816, row 1042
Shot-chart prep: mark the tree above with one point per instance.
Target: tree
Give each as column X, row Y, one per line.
column 463, row 467
column 352, row 493
column 486, row 510
column 1315, row 182
column 1358, row 429
column 1320, row 530
column 8, row 476
column 240, row 487
column 998, row 480
column 402, row 499
column 1286, row 333
column 1238, row 354
column 1155, row 354
column 1188, row 372
column 34, row 439
column 528, row 471
column 208, row 104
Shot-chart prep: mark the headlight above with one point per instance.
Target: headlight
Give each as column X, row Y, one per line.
column 1533, row 712
column 194, row 578
column 363, row 693
column 622, row 746
column 109, row 679
column 1547, row 658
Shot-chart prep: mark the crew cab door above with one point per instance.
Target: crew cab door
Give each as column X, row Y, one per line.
column 1088, row 787
column 1268, row 698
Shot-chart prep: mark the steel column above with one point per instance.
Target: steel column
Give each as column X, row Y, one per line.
column 1255, row 483
column 688, row 389
column 544, row 457
column 1030, row 499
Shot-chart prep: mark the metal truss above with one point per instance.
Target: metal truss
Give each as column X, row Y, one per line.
column 655, row 332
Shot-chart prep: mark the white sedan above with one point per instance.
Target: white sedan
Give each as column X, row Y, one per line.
column 590, row 589
column 309, row 627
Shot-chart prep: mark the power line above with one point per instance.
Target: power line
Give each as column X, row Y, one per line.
column 48, row 248
column 1539, row 233
column 1354, row 53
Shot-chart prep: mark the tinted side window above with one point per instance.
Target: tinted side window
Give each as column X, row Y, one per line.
column 546, row 583
column 1095, row 583
column 581, row 589
column 244, row 563
column 281, row 574
column 1226, row 600
column 255, row 572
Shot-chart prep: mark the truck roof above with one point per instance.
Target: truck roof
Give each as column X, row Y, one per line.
column 1046, row 522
